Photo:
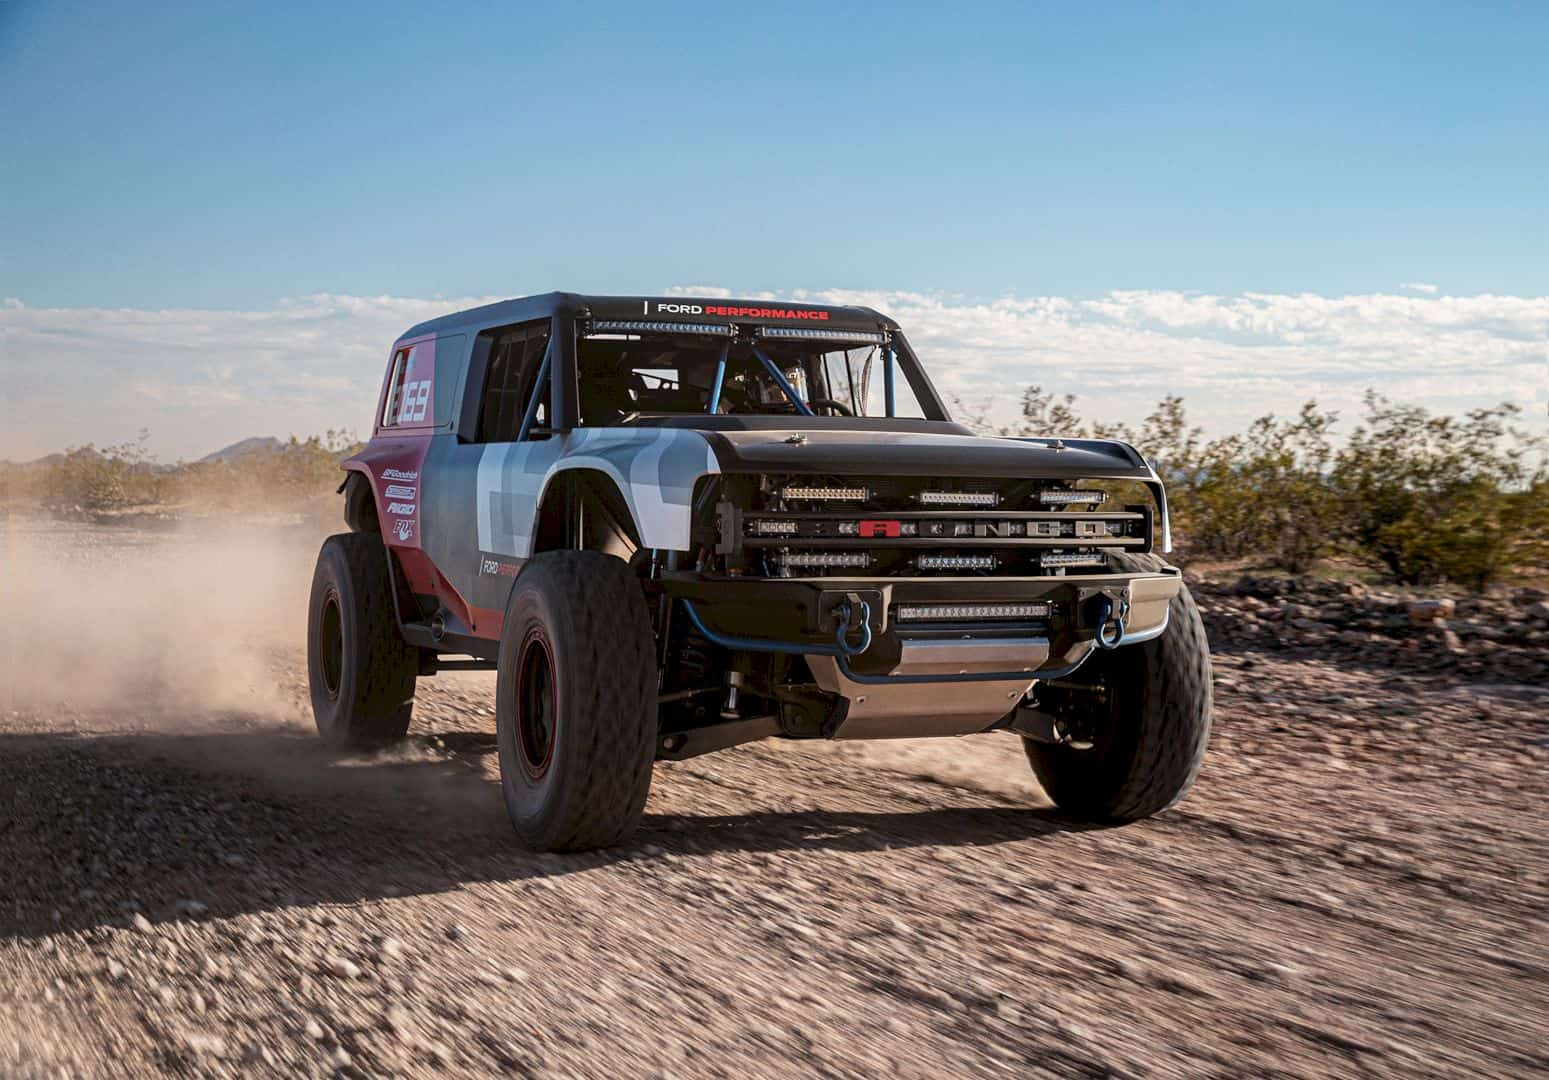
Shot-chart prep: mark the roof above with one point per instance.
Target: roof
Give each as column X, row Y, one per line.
column 665, row 308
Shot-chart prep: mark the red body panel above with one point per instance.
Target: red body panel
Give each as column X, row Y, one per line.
column 393, row 463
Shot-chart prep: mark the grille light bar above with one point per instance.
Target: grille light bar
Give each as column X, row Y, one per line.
column 877, row 528
column 926, row 612
column 959, row 498
column 955, row 562
column 644, row 326
column 823, row 558
column 774, row 528
column 1065, row 498
column 1072, row 558
column 830, row 494
column 809, row 333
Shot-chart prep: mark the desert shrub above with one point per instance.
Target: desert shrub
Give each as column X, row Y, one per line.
column 268, row 477
column 1264, row 491
column 1429, row 498
column 1443, row 498
column 281, row 477
column 112, row 478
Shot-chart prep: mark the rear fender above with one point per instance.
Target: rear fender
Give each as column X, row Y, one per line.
column 393, row 467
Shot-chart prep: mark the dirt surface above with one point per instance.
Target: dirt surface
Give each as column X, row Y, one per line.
column 191, row 883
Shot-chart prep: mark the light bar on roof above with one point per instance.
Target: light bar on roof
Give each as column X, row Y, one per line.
column 809, row 333
column 645, row 326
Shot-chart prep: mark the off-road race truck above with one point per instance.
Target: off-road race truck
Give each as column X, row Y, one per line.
column 674, row 525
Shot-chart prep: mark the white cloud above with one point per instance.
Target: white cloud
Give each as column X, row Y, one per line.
column 200, row 379
column 1421, row 287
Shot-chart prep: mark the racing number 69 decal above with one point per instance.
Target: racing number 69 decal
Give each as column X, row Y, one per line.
column 414, row 401
column 411, row 386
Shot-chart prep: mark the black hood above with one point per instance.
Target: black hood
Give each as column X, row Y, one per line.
column 930, row 449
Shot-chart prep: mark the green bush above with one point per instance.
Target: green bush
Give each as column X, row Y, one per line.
column 1428, row 498
column 112, row 478
column 1443, row 498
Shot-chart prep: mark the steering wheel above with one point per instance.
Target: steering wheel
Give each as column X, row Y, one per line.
column 839, row 408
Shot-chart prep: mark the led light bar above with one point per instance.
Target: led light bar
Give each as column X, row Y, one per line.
column 831, row 494
column 926, row 612
column 959, row 498
column 823, row 558
column 1072, row 558
column 1064, row 498
column 773, row 528
column 809, row 333
column 955, row 562
column 644, row 326
column 853, row 528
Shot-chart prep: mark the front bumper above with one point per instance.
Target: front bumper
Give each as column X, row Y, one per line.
column 803, row 611
column 916, row 680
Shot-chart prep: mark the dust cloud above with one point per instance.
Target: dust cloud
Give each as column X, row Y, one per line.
column 199, row 625
column 157, row 627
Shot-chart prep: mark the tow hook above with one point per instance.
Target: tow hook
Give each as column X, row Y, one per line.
column 1110, row 611
column 852, row 615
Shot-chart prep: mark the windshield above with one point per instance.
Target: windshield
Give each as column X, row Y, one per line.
column 626, row 376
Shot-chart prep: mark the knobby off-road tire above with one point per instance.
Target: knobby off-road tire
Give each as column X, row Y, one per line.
column 575, row 711
column 360, row 669
column 1148, row 747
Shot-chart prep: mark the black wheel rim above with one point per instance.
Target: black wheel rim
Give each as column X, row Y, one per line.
column 330, row 644
column 536, row 720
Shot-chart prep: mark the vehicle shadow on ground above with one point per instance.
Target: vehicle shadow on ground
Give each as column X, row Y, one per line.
column 257, row 820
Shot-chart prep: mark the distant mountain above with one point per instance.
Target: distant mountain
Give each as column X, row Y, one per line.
column 36, row 463
column 256, row 445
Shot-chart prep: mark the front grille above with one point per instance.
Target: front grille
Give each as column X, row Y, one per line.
column 809, row 526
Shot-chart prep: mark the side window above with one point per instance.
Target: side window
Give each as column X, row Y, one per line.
column 408, row 397
column 451, row 362
column 515, row 358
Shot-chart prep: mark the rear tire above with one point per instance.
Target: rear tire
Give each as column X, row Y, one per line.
column 1150, row 740
column 360, row 670
column 575, row 711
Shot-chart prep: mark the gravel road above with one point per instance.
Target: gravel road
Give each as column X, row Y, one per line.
column 1358, row 885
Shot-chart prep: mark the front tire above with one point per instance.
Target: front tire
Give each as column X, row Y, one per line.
column 575, row 712
column 360, row 670
column 1148, row 739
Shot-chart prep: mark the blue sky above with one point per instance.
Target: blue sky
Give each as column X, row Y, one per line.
column 227, row 155
column 214, row 217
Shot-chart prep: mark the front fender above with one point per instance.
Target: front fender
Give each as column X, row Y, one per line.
column 655, row 472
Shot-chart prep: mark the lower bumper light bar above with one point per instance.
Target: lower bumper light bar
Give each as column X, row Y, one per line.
column 969, row 612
